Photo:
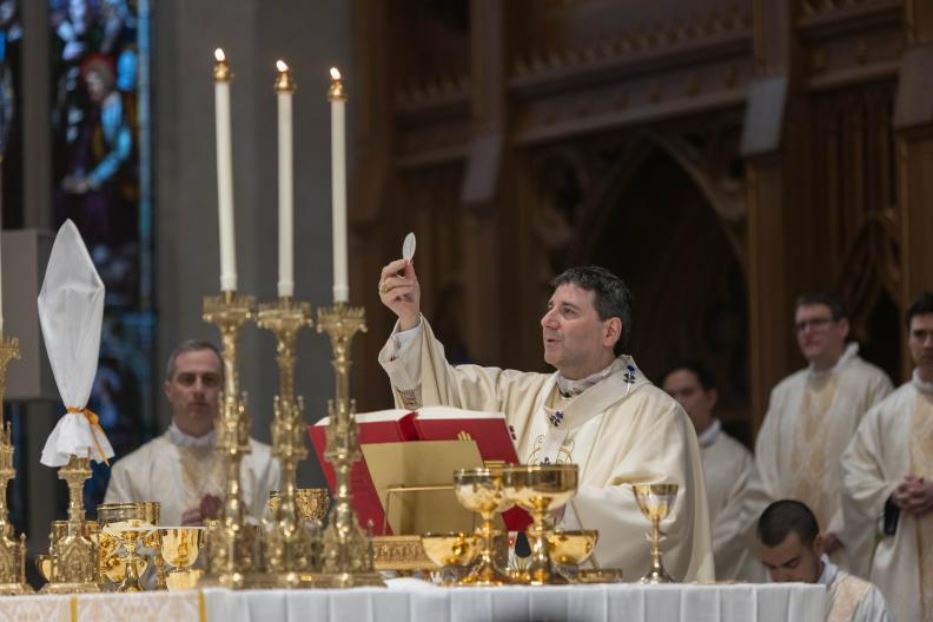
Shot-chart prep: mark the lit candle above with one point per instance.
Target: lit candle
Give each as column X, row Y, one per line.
column 338, row 157
column 285, row 86
column 222, row 77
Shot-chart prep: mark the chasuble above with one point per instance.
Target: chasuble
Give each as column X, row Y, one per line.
column 729, row 468
column 621, row 431
column 896, row 439
column 811, row 418
column 851, row 599
column 178, row 470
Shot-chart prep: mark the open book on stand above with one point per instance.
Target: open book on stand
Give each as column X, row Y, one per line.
column 493, row 439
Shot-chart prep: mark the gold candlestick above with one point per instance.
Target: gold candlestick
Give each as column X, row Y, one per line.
column 288, row 544
column 233, row 557
column 12, row 551
column 73, row 555
column 348, row 551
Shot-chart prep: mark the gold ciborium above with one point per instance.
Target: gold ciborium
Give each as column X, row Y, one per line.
column 179, row 549
column 655, row 501
column 452, row 552
column 540, row 489
column 480, row 490
column 312, row 503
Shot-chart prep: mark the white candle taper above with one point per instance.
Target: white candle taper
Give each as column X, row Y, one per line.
column 285, row 86
column 337, row 97
column 222, row 77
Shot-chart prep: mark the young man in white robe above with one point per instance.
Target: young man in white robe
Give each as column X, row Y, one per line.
column 598, row 411
column 791, row 548
column 728, row 467
column 181, row 469
column 889, row 481
column 812, row 415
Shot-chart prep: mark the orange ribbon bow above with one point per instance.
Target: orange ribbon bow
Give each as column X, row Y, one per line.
column 94, row 420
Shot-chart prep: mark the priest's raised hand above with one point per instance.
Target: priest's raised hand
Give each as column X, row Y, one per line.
column 400, row 292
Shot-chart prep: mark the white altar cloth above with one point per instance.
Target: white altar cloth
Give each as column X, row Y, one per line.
column 410, row 599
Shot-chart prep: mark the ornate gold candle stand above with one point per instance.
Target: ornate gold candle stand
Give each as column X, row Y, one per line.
column 12, row 550
column 73, row 554
column 288, row 543
column 233, row 555
column 348, row 549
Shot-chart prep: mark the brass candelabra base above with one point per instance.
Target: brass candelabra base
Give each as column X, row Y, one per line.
column 12, row 550
column 347, row 548
column 73, row 554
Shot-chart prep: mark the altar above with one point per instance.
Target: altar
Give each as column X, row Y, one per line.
column 416, row 600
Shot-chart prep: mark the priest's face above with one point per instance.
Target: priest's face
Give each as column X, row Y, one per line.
column 194, row 389
column 793, row 562
column 920, row 341
column 684, row 386
column 576, row 342
column 821, row 339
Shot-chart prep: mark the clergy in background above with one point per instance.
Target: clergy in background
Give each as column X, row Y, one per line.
column 889, row 481
column 598, row 411
column 181, row 469
column 812, row 415
column 792, row 551
column 728, row 467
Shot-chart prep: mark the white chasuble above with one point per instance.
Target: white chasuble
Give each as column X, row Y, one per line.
column 178, row 476
column 885, row 449
column 811, row 418
column 620, row 431
column 729, row 468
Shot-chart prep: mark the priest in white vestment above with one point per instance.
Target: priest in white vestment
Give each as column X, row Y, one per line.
column 598, row 411
column 181, row 469
column 889, row 481
column 791, row 548
column 728, row 467
column 812, row 415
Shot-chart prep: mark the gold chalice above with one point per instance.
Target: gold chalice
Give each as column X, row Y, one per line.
column 124, row 527
column 312, row 503
column 179, row 549
column 451, row 551
column 540, row 489
column 480, row 490
column 655, row 501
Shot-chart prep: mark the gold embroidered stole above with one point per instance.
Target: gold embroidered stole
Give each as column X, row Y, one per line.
column 201, row 474
column 809, row 463
column 845, row 595
column 921, row 464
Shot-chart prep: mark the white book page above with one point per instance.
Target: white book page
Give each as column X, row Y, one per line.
column 445, row 412
column 375, row 416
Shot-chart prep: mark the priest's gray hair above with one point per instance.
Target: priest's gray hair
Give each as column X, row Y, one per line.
column 191, row 345
column 611, row 296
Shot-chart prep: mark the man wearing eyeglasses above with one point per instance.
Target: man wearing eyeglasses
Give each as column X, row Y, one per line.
column 889, row 481
column 812, row 415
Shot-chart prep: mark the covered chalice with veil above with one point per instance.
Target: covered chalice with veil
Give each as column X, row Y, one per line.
column 71, row 310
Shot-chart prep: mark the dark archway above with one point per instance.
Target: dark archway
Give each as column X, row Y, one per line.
column 659, row 232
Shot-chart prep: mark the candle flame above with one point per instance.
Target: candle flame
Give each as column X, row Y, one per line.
column 219, row 55
column 281, row 66
column 334, row 73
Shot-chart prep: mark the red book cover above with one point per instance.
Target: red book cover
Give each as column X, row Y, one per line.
column 493, row 437
column 384, row 426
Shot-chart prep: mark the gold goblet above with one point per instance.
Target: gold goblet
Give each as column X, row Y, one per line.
column 480, row 490
column 540, row 489
column 569, row 549
column 655, row 501
column 312, row 503
column 451, row 551
column 180, row 547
